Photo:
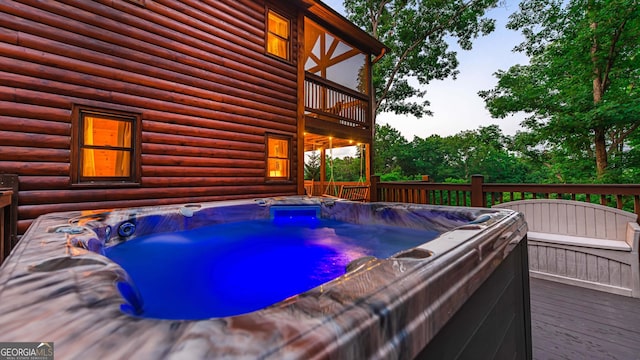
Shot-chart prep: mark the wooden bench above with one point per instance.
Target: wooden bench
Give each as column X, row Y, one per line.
column 354, row 192
column 351, row 192
column 582, row 244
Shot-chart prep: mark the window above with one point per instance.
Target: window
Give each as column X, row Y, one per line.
column 105, row 146
column 278, row 35
column 278, row 157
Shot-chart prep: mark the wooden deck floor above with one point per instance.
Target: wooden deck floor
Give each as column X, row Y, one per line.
column 570, row 322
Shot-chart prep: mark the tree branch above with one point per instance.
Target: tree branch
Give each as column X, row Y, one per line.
column 419, row 40
column 611, row 57
column 617, row 141
column 375, row 17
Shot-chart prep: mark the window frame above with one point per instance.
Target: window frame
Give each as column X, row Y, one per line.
column 289, row 40
column 78, row 114
column 289, row 140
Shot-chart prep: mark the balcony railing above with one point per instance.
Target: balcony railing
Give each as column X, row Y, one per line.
column 333, row 105
column 480, row 194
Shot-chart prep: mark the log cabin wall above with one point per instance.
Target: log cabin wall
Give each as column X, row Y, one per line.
column 195, row 71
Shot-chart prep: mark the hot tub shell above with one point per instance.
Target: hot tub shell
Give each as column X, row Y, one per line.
column 463, row 295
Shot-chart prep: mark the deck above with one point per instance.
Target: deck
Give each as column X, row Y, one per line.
column 570, row 322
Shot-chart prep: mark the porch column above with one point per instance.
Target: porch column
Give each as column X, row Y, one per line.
column 323, row 169
column 367, row 163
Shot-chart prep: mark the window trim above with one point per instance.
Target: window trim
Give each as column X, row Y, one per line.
column 289, row 40
column 77, row 124
column 289, row 140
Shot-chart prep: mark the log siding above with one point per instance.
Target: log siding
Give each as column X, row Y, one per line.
column 196, row 71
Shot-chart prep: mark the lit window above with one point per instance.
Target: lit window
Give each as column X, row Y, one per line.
column 278, row 35
column 105, row 147
column 277, row 157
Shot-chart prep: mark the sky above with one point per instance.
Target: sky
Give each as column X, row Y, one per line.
column 455, row 103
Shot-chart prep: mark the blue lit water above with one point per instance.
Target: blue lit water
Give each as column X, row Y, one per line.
column 235, row 268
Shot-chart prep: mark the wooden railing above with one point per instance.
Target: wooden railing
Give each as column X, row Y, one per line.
column 336, row 104
column 8, row 214
column 480, row 194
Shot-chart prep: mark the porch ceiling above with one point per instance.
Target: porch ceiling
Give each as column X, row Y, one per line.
column 315, row 142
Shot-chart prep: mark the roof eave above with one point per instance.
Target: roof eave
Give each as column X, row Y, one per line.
column 348, row 30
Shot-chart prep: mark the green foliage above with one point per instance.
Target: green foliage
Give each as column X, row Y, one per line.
column 487, row 151
column 416, row 32
column 346, row 169
column 482, row 151
column 455, row 181
column 394, row 176
column 389, row 146
column 312, row 165
column 580, row 88
column 424, row 157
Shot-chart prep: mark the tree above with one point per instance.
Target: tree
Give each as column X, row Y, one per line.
column 389, row 144
column 416, row 32
column 312, row 165
column 482, row 151
column 581, row 86
column 630, row 164
column 346, row 168
column 425, row 157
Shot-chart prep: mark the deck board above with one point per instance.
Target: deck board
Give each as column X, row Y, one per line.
column 570, row 322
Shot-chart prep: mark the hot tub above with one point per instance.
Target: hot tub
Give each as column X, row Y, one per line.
column 448, row 282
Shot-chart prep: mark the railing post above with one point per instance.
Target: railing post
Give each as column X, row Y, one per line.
column 477, row 193
column 373, row 192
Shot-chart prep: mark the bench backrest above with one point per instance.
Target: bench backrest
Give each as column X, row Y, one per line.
column 354, row 192
column 577, row 218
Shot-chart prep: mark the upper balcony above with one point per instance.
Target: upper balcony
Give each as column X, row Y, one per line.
column 337, row 87
column 329, row 105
